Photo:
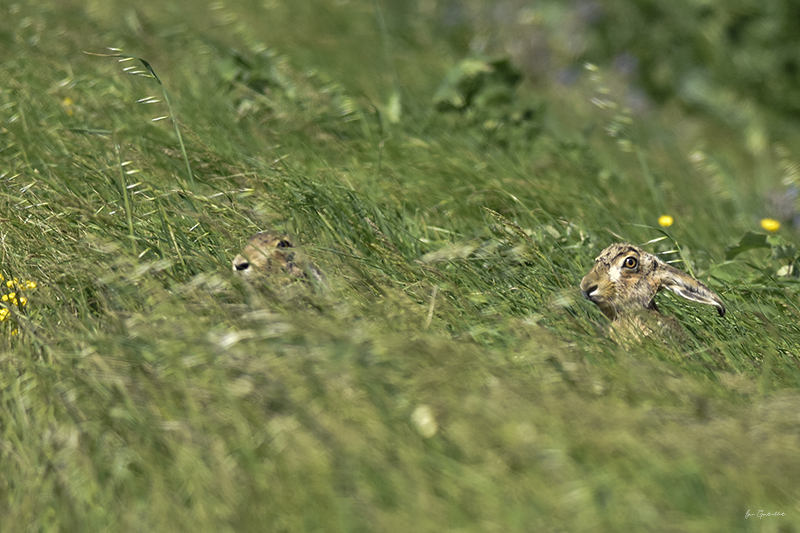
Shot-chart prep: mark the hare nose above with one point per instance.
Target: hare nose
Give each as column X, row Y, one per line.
column 588, row 292
column 244, row 265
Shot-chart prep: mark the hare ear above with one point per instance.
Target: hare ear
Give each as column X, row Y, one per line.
column 686, row 286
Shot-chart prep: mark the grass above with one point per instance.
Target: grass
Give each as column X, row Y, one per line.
column 451, row 377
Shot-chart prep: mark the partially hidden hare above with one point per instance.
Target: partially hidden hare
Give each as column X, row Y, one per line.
column 271, row 252
column 623, row 283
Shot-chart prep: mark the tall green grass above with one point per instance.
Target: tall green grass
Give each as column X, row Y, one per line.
column 450, row 377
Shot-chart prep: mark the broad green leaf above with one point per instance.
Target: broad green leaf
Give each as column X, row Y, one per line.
column 749, row 241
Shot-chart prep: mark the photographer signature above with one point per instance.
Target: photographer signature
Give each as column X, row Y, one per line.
column 760, row 514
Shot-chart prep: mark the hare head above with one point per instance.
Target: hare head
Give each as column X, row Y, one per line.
column 625, row 280
column 268, row 252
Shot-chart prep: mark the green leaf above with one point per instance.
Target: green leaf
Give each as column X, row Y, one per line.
column 473, row 76
column 749, row 241
column 784, row 251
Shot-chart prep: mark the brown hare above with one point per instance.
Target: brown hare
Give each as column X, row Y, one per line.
column 270, row 252
column 624, row 282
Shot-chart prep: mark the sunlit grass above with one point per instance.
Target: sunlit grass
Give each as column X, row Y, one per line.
column 451, row 376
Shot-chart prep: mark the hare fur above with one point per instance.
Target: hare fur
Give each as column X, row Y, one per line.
column 623, row 283
column 270, row 252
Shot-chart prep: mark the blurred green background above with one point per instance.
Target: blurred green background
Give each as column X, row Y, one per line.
column 453, row 167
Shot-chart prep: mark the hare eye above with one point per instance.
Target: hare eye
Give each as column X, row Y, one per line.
column 630, row 262
column 284, row 244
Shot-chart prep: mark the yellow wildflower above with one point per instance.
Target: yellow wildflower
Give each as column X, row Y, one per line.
column 69, row 106
column 665, row 221
column 770, row 224
column 15, row 297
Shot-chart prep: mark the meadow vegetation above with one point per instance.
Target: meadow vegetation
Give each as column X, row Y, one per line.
column 450, row 376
